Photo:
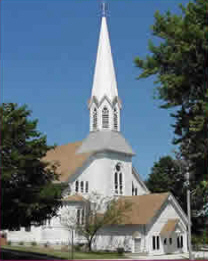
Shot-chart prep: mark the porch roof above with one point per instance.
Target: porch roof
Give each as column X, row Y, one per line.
column 74, row 198
column 169, row 227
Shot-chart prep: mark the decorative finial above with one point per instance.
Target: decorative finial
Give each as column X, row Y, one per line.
column 103, row 4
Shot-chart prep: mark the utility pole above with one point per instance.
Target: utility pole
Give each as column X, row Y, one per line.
column 189, row 212
column 72, row 246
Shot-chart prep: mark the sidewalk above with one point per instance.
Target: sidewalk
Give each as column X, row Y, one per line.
column 160, row 257
column 196, row 255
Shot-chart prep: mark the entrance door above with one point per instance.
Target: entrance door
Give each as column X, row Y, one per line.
column 137, row 245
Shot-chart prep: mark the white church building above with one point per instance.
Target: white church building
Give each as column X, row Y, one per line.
column 102, row 163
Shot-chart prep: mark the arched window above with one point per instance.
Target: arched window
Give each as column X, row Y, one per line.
column 78, row 216
column 132, row 189
column 118, row 180
column 120, row 183
column 105, row 118
column 181, row 241
column 83, row 217
column 115, row 119
column 77, row 186
column 86, row 187
column 94, row 119
column 82, row 186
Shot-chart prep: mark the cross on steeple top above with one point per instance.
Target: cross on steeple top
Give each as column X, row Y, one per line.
column 104, row 8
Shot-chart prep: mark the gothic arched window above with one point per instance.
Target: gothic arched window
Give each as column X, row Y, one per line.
column 78, row 216
column 77, row 186
column 115, row 119
column 83, row 217
column 116, row 182
column 118, row 179
column 120, row 183
column 94, row 119
column 133, row 189
column 82, row 186
column 86, row 187
column 105, row 118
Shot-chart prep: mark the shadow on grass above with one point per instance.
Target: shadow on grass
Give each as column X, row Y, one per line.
column 7, row 254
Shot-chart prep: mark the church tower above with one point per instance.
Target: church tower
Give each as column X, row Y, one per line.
column 104, row 105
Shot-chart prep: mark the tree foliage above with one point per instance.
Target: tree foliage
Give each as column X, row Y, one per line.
column 181, row 66
column 168, row 175
column 27, row 192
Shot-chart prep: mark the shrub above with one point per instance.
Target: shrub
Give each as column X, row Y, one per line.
column 34, row 243
column 120, row 250
column 9, row 242
column 200, row 239
column 46, row 244
column 21, row 243
column 77, row 248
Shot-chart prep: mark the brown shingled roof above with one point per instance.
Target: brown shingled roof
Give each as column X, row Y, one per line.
column 74, row 198
column 143, row 207
column 67, row 159
column 169, row 227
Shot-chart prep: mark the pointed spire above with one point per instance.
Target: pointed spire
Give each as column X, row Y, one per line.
column 104, row 82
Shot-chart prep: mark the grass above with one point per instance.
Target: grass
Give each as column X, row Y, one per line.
column 65, row 254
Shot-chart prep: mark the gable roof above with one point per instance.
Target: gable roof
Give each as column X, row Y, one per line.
column 105, row 140
column 67, row 159
column 74, row 198
column 143, row 208
column 169, row 226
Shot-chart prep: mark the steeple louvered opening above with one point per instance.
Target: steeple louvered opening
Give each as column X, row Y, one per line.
column 95, row 119
column 105, row 118
column 115, row 119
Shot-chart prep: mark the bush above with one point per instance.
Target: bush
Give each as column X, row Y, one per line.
column 21, row 243
column 9, row 242
column 77, row 248
column 46, row 244
column 200, row 239
column 33, row 243
column 120, row 250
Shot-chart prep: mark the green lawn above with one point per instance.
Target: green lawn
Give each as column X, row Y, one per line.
column 64, row 254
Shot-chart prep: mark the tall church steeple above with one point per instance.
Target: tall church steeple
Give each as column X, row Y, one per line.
column 104, row 104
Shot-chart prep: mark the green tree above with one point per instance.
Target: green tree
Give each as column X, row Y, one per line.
column 27, row 192
column 168, row 175
column 181, row 66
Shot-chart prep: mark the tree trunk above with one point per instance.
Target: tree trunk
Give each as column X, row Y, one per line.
column 90, row 245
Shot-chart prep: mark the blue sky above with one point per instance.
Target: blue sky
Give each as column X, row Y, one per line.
column 48, row 52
